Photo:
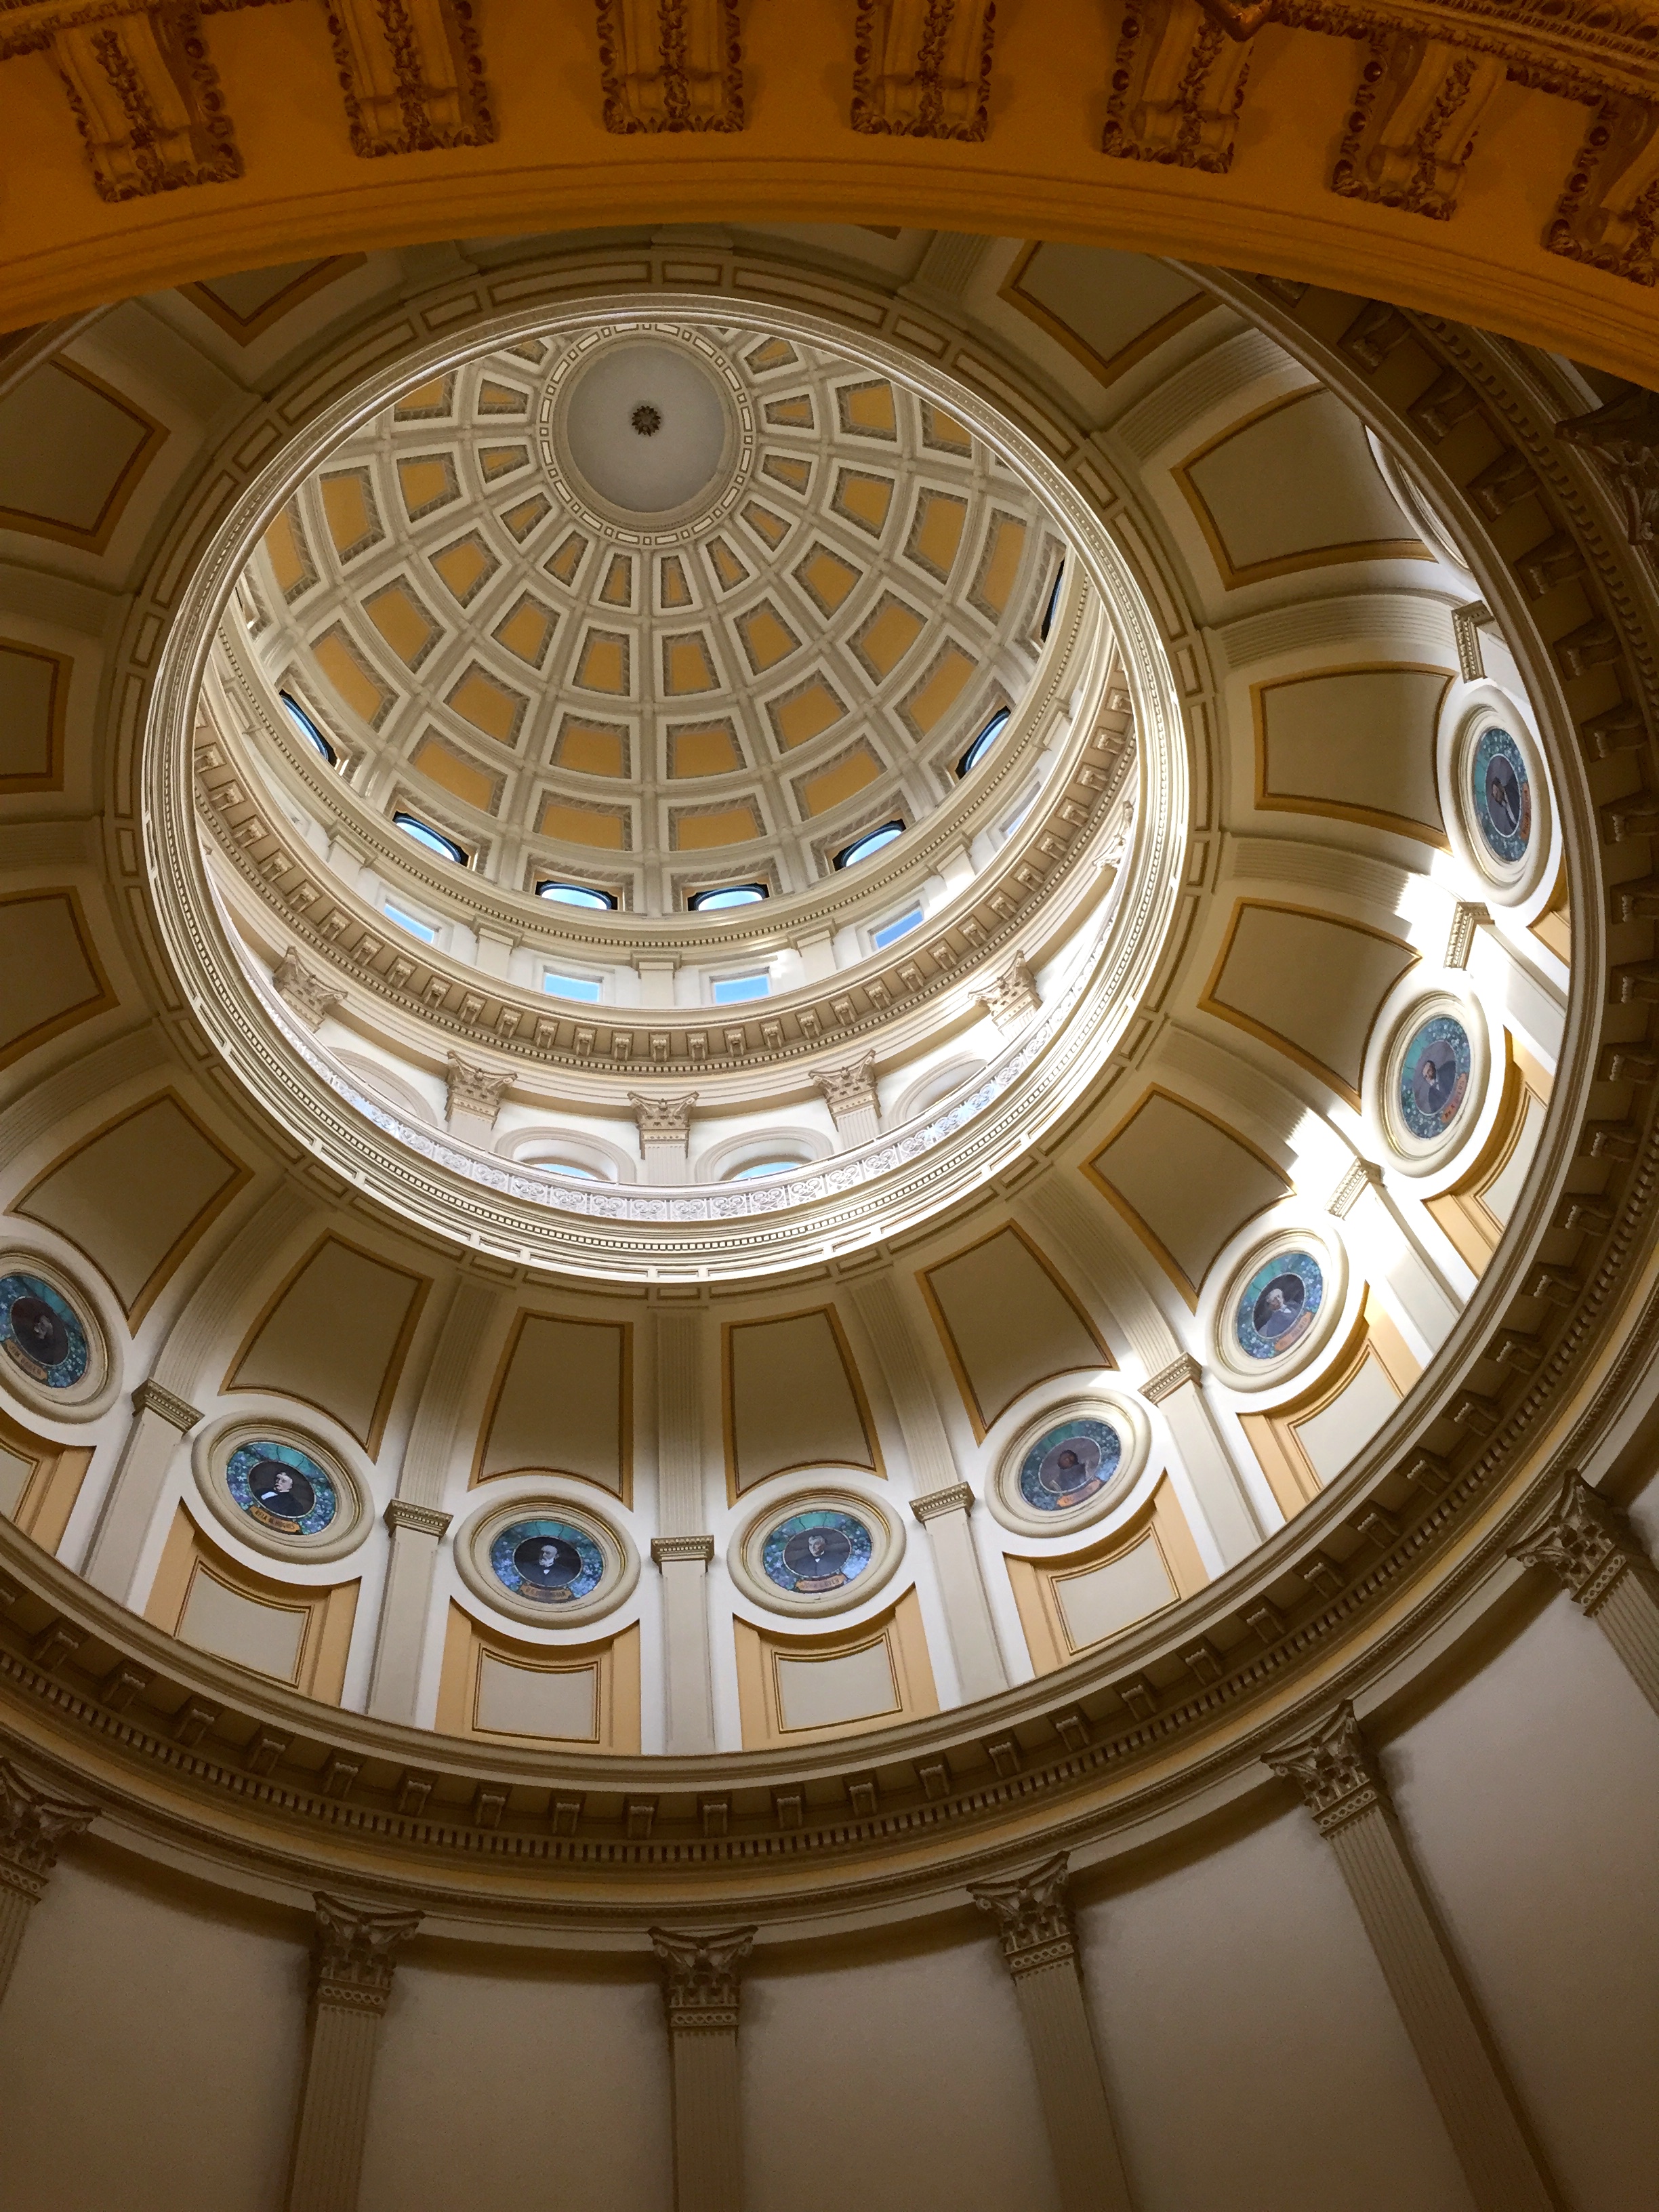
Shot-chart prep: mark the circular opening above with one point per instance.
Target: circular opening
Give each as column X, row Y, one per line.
column 646, row 426
column 577, row 895
column 872, row 841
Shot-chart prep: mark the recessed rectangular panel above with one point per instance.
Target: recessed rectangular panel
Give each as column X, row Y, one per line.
column 850, row 1685
column 1356, row 744
column 1097, row 1603
column 561, row 1402
column 269, row 1639
column 50, row 975
column 792, row 1399
column 336, row 1336
column 1108, row 310
column 33, row 696
column 1308, row 983
column 1331, row 1437
column 14, row 1472
column 558, row 1702
column 1008, row 1319
column 1184, row 1182
column 136, row 1195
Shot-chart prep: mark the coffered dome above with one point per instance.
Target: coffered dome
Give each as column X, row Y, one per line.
column 656, row 609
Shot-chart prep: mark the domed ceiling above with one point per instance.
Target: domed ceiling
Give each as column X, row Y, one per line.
column 655, row 609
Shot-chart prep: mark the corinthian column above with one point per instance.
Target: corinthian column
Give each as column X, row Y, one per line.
column 32, row 1827
column 1040, row 1951
column 352, row 1968
column 1349, row 1801
column 700, row 1989
column 1591, row 1547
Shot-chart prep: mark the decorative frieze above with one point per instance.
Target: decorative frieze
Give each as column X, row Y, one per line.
column 700, row 1976
column 1178, row 84
column 308, row 996
column 922, row 69
column 475, row 1093
column 146, row 100
column 1623, row 435
column 1413, row 125
column 671, row 65
column 1608, row 214
column 1033, row 1924
column 1012, row 996
column 412, row 75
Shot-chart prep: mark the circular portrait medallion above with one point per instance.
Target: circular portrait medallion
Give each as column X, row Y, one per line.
column 1500, row 796
column 1278, row 1306
column 42, row 1333
column 814, row 1552
column 547, row 1562
column 1434, row 1077
column 1069, row 1465
column 282, row 1487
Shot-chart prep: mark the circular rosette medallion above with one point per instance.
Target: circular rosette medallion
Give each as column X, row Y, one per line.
column 822, row 1552
column 543, row 1561
column 1500, row 796
column 282, row 1487
column 810, row 1554
column 42, row 1333
column 1279, row 1305
column 1069, row 1465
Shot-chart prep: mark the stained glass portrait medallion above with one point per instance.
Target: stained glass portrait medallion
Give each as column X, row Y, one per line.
column 1070, row 1464
column 41, row 1332
column 814, row 1552
column 1434, row 1076
column 547, row 1561
column 1276, row 1307
column 282, row 1487
column 1500, row 797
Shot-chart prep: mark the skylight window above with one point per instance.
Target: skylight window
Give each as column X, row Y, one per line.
column 1053, row 607
column 901, row 926
column 729, row 894
column 424, row 930
column 434, row 839
column 570, row 987
column 983, row 743
column 577, row 895
column 729, row 989
column 872, row 841
column 308, row 730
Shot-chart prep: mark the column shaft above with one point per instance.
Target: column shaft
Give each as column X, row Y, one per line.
column 328, row 2154
column 1219, row 1486
column 405, row 1605
column 687, row 1689
column 15, row 1904
column 1629, row 1618
column 159, row 1420
column 1348, row 1799
column 1075, row 2109
column 707, row 2123
column 966, row 1609
column 1383, row 1237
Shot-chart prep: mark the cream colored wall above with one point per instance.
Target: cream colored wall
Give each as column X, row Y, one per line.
column 895, row 2084
column 1532, row 1797
column 1253, row 2056
column 519, row 2086
column 150, row 2049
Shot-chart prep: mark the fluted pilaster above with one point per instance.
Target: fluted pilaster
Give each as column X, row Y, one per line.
column 353, row 1962
column 700, row 1992
column 1589, row 1545
column 34, row 1826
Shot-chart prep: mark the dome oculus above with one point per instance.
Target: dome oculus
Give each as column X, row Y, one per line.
column 646, row 428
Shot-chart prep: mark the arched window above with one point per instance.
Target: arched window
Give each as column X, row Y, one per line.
column 434, row 839
column 763, row 1167
column 308, row 730
column 872, row 841
column 729, row 895
column 1053, row 607
column 577, row 895
column 983, row 743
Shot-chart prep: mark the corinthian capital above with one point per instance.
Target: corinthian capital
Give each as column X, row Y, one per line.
column 1032, row 1922
column 1009, row 996
column 1586, row 1541
column 474, row 1089
column 355, row 1953
column 32, row 1826
column 848, row 1089
column 664, row 1118
column 699, row 1975
column 1333, row 1769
